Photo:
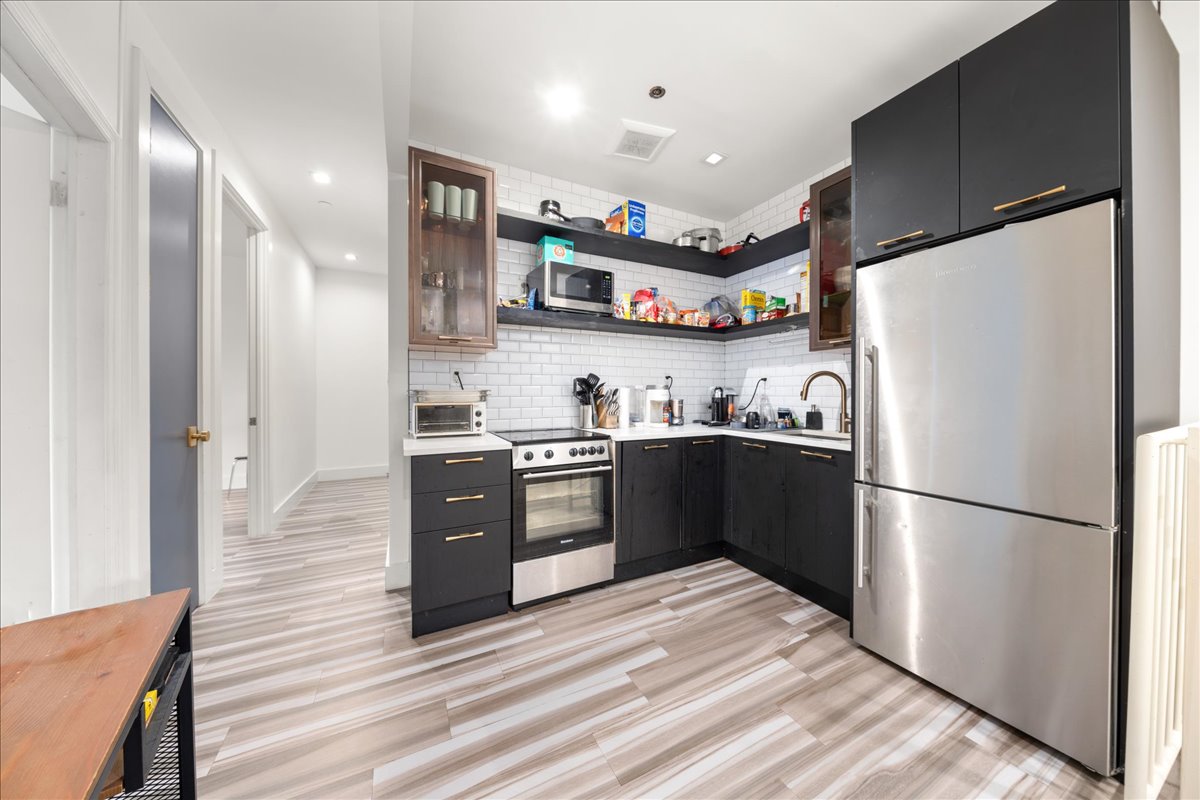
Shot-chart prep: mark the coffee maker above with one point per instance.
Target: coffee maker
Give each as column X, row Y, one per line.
column 719, row 406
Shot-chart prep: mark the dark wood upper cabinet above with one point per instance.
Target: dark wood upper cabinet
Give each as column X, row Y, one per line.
column 1040, row 114
column 451, row 252
column 829, row 274
column 905, row 155
column 651, row 509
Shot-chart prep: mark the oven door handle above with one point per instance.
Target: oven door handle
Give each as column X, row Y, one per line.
column 531, row 475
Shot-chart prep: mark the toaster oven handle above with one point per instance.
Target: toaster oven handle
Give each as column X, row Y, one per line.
column 530, row 475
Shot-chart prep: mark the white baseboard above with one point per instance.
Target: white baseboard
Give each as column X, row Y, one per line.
column 350, row 473
column 397, row 576
column 293, row 500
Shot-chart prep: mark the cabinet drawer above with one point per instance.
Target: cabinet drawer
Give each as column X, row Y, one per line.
column 433, row 511
column 457, row 564
column 460, row 470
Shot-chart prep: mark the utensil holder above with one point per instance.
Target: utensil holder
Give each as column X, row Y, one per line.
column 587, row 417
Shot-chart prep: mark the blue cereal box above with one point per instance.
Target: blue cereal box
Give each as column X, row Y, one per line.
column 628, row 219
column 551, row 249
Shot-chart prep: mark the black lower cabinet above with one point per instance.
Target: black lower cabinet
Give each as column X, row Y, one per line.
column 461, row 564
column 820, row 518
column 651, row 499
column 703, row 491
column 757, row 485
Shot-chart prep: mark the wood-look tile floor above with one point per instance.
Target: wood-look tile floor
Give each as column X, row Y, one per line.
column 706, row 682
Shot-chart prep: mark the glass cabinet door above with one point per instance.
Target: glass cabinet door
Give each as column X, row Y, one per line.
column 452, row 252
column 830, row 306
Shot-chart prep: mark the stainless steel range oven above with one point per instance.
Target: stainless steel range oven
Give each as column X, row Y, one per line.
column 562, row 512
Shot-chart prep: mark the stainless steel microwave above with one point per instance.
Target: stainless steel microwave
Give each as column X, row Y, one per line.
column 571, row 287
column 447, row 413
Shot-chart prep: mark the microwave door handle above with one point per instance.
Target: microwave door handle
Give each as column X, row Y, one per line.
column 531, row 475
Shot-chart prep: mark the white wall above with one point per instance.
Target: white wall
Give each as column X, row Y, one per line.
column 352, row 370
column 235, row 349
column 1182, row 19
column 88, row 34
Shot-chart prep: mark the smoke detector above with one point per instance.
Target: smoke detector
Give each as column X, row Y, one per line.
column 641, row 141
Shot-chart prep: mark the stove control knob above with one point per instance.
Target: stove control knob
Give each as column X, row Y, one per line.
column 549, row 454
column 574, row 451
column 591, row 451
column 528, row 456
column 600, row 449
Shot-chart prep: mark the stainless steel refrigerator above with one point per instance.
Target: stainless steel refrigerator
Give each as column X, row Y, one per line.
column 986, row 519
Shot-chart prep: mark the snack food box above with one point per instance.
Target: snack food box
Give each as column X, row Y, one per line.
column 628, row 219
column 550, row 248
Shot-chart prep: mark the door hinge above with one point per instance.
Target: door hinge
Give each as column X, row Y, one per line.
column 254, row 420
column 58, row 194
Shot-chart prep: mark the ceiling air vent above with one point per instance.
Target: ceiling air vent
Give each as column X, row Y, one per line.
column 641, row 140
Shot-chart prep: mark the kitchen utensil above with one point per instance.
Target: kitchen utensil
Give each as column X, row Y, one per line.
column 551, row 209
column 684, row 239
column 453, row 203
column 593, row 380
column 581, row 391
column 753, row 420
column 470, row 206
column 435, row 194
column 587, row 417
column 677, row 412
column 708, row 240
column 733, row 248
column 588, row 223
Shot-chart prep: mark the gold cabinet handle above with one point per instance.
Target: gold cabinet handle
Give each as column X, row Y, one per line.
column 458, row 536
column 755, row 446
column 899, row 239
column 825, row 456
column 195, row 436
column 456, row 338
column 1031, row 198
column 655, row 446
column 477, row 460
column 461, row 499
column 702, row 441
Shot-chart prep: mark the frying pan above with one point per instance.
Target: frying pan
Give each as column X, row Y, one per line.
column 733, row 248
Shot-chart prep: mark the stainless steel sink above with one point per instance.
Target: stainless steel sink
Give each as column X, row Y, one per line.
column 841, row 437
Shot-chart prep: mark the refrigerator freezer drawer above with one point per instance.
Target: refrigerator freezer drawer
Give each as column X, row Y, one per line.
column 1011, row 613
column 987, row 368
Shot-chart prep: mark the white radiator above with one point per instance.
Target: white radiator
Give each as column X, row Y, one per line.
column 1163, row 720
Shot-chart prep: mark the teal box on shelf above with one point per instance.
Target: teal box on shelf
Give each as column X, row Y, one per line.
column 550, row 248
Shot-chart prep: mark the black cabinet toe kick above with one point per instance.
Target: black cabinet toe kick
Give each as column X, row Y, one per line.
column 438, row 619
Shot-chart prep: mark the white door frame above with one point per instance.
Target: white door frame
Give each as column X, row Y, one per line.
column 258, row 465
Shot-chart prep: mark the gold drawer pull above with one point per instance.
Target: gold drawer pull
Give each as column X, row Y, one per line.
column 477, row 460
column 899, row 239
column 460, row 499
column 655, row 446
column 1031, row 198
column 703, row 441
column 825, row 456
column 456, row 338
column 755, row 446
column 456, row 537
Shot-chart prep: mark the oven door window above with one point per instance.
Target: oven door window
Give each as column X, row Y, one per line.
column 449, row 418
column 561, row 510
column 572, row 282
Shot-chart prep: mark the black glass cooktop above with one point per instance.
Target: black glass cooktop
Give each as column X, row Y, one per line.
column 549, row 435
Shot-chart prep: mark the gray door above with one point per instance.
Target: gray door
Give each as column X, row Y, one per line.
column 174, row 241
column 1010, row 612
column 986, row 368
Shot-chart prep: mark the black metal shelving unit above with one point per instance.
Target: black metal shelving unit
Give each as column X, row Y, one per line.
column 591, row 322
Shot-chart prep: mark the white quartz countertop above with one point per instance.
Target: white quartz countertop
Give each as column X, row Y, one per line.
column 436, row 445
column 697, row 430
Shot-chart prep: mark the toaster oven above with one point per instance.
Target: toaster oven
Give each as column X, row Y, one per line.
column 447, row 413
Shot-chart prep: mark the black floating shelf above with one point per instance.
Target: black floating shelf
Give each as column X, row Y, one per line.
column 521, row 227
column 592, row 322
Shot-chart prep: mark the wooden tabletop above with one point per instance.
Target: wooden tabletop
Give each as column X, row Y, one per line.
column 68, row 685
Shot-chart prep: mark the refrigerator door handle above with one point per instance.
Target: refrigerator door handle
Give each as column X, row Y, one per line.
column 868, row 425
column 863, row 570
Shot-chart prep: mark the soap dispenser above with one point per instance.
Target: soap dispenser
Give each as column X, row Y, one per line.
column 812, row 420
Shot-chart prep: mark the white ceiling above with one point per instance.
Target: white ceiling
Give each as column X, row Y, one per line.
column 772, row 85
column 297, row 86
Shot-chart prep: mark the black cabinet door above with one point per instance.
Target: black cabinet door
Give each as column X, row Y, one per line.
column 651, row 498
column 459, row 564
column 1040, row 109
column 820, row 517
column 905, row 166
column 703, row 491
column 757, row 484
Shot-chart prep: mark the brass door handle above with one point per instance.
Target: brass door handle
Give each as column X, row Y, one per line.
column 825, row 456
column 195, row 436
column 898, row 239
column 655, row 446
column 461, row 499
column 478, row 460
column 1031, row 198
column 456, row 338
column 703, row 441
column 755, row 446
column 456, row 537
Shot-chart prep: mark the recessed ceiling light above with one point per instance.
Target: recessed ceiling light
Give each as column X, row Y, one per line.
column 321, row 178
column 563, row 102
column 351, row 257
column 657, row 92
column 714, row 158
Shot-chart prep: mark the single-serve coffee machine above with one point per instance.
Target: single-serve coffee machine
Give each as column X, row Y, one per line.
column 722, row 406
